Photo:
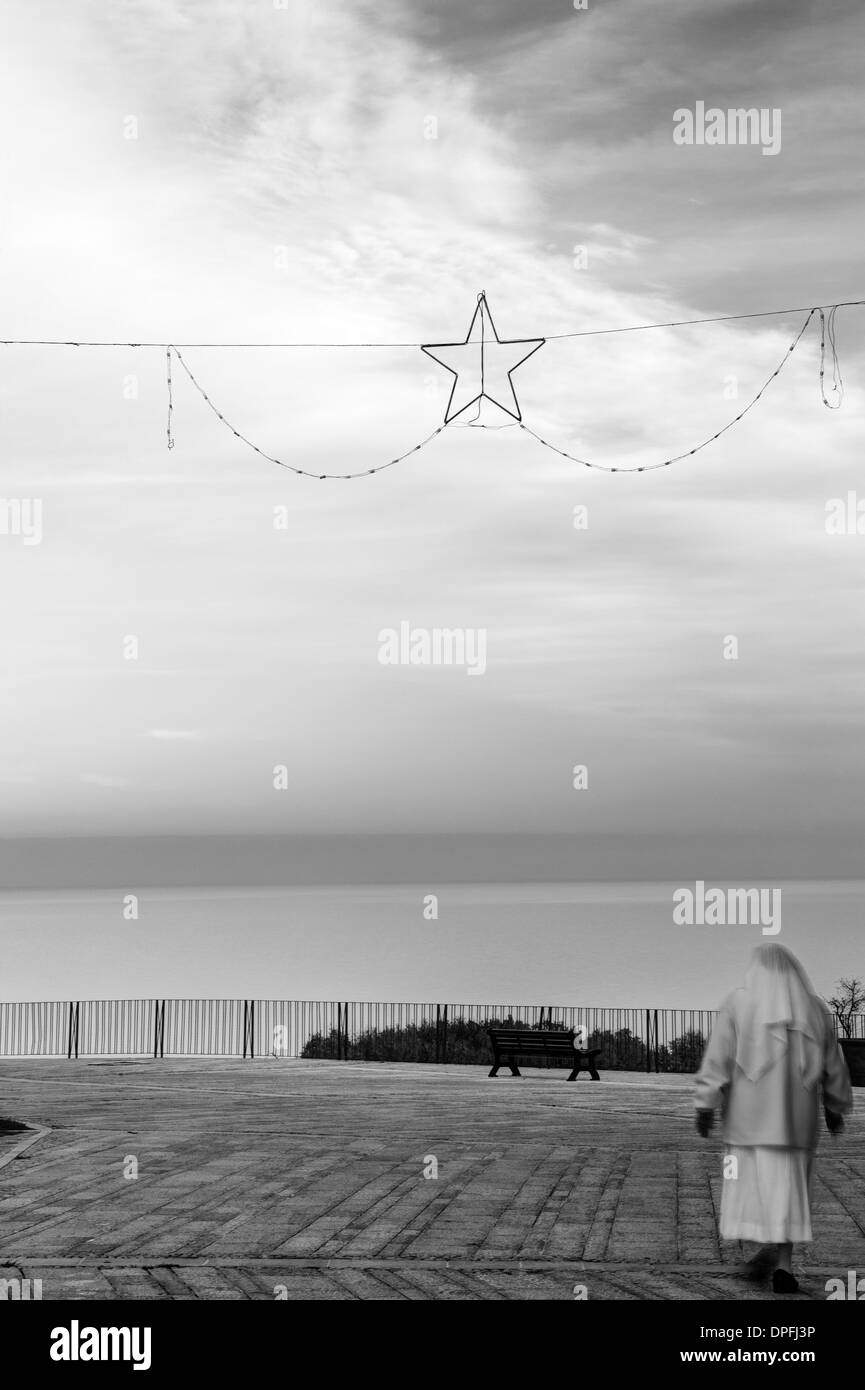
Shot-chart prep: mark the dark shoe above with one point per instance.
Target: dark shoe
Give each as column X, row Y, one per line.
column 757, row 1270
column 782, row 1282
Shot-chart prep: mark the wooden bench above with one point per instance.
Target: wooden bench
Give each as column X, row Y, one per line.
column 510, row 1043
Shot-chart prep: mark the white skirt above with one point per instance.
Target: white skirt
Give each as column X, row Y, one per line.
column 769, row 1198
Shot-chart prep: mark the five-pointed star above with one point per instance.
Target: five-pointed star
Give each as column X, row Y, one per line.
column 483, row 365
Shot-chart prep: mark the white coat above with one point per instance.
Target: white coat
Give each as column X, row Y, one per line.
column 778, row 1109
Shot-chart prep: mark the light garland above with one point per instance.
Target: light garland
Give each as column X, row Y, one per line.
column 487, row 382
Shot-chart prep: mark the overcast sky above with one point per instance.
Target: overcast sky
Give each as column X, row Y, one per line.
column 282, row 187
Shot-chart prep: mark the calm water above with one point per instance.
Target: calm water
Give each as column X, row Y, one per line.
column 602, row 944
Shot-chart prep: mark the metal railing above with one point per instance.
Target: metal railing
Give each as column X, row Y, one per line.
column 659, row 1040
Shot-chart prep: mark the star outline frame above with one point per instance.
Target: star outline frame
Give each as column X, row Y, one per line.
column 482, row 307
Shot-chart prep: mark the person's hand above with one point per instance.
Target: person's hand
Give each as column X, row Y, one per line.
column 834, row 1121
column 705, row 1120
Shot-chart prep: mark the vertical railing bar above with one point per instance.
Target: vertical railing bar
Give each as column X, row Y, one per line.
column 410, row 1030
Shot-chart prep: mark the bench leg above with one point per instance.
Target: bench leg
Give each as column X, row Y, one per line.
column 505, row 1062
column 593, row 1073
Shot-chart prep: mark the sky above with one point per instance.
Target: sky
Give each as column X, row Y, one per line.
column 241, row 172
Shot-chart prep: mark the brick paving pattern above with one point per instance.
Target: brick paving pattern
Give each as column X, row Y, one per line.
column 304, row 1179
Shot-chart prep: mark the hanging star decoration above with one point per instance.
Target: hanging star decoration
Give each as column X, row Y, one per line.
column 482, row 368
column 483, row 365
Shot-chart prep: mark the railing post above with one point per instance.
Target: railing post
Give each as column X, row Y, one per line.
column 249, row 1029
column 159, row 1030
column 657, row 1065
column 444, row 1055
column 73, row 1031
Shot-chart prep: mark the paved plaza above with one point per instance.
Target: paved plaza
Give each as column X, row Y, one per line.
column 304, row 1179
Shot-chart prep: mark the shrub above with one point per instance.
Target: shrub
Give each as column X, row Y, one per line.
column 467, row 1043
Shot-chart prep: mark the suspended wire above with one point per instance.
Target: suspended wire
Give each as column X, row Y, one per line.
column 473, row 422
column 153, row 343
column 169, row 431
column 476, row 423
column 827, row 334
column 719, row 318
column 665, row 463
column 302, row 472
column 827, row 330
column 479, row 425
column 580, row 333
column 605, row 468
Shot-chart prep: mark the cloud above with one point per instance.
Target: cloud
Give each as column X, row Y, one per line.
column 283, row 187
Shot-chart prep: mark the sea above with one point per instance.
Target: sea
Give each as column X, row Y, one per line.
column 609, row 945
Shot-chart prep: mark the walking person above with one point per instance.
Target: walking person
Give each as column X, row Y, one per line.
column 772, row 1051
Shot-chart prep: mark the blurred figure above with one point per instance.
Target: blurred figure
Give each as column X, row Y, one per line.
column 772, row 1049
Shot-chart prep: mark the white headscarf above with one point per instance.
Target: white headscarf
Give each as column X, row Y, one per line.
column 779, row 1011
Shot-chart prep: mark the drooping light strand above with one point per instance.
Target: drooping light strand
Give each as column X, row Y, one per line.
column 665, row 463
column 281, row 463
column 169, row 429
column 827, row 331
column 827, row 335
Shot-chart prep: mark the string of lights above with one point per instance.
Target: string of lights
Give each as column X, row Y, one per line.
column 280, row 463
column 827, row 330
column 665, row 463
column 827, row 315
column 170, row 398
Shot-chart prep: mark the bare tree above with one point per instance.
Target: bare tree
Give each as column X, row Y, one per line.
column 848, row 999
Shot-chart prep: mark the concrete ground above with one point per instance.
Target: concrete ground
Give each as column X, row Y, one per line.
column 299, row 1179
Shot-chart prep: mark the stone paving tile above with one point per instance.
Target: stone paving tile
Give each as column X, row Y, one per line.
column 307, row 1178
